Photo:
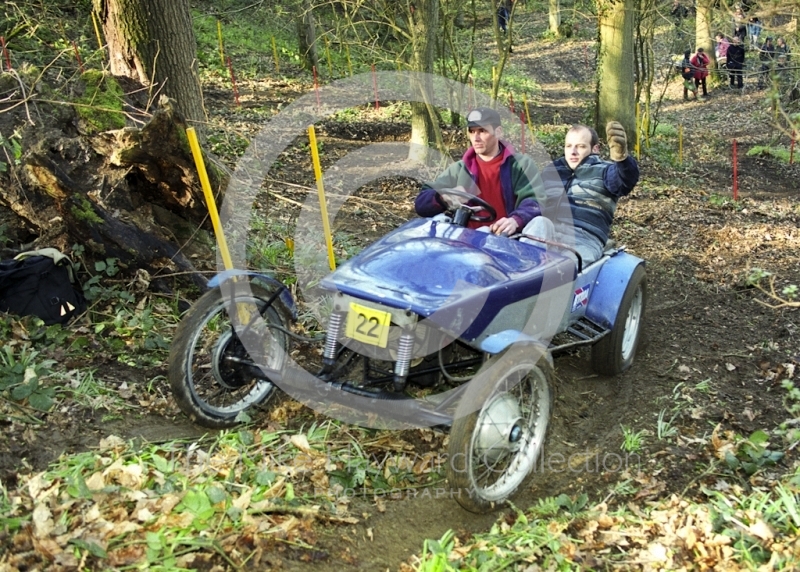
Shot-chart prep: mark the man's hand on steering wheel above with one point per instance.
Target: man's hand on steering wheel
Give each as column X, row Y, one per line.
column 457, row 196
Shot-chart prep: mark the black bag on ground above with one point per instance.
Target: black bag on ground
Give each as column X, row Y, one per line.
column 41, row 283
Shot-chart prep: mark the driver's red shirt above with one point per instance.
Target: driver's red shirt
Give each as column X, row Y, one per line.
column 490, row 190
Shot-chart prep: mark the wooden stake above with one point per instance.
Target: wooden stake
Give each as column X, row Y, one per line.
column 328, row 57
column 275, row 55
column 209, row 195
column 78, row 56
column 221, row 49
column 316, row 86
column 233, row 82
column 97, row 33
column 375, row 87
column 5, row 53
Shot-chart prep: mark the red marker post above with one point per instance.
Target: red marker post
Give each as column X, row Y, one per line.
column 735, row 174
column 375, row 87
column 522, row 130
column 77, row 55
column 233, row 82
column 5, row 53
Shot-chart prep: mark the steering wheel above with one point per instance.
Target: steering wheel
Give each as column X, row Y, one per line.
column 492, row 213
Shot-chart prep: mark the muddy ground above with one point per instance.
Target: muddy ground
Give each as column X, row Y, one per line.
column 710, row 346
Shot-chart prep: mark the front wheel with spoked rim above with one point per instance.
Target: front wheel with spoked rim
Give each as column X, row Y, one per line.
column 500, row 428
column 221, row 349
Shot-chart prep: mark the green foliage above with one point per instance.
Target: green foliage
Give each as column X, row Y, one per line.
column 11, row 151
column 100, row 106
column 723, row 202
column 84, row 211
column 632, row 441
column 752, row 454
column 782, row 154
column 435, row 553
column 22, row 373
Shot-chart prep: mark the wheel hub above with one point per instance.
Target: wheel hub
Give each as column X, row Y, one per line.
column 500, row 429
column 227, row 374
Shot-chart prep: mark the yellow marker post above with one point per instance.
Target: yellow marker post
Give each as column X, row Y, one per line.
column 331, row 73
column 323, row 206
column 97, row 32
column 209, row 195
column 349, row 63
column 275, row 55
column 528, row 117
column 221, row 49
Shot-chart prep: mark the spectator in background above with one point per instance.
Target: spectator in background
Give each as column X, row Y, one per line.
column 679, row 12
column 781, row 61
column 503, row 14
column 687, row 73
column 782, row 48
column 735, row 62
column 721, row 53
column 700, row 63
column 766, row 54
column 739, row 25
column 754, row 30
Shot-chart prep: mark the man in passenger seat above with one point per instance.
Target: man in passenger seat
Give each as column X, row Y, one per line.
column 590, row 187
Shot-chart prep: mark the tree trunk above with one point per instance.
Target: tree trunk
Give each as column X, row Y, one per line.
column 615, row 82
column 307, row 36
column 555, row 17
column 424, row 19
column 153, row 42
column 703, row 37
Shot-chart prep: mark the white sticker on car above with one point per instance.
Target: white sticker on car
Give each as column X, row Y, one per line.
column 581, row 299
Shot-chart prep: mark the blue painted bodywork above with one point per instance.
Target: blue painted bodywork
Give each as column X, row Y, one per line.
column 609, row 287
column 429, row 267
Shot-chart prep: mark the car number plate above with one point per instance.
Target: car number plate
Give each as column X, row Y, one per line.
column 368, row 325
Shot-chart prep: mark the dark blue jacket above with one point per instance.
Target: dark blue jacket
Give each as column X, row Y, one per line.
column 592, row 191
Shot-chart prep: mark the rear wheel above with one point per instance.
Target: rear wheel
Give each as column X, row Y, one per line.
column 614, row 353
column 492, row 450
column 213, row 376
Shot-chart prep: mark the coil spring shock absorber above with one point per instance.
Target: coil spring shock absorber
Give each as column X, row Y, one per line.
column 405, row 349
column 331, row 337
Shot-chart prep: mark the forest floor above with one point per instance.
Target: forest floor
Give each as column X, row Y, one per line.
column 712, row 351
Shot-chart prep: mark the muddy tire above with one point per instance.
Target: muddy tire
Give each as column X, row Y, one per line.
column 614, row 353
column 211, row 372
column 494, row 448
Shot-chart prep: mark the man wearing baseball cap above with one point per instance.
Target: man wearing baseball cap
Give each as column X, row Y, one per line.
column 490, row 169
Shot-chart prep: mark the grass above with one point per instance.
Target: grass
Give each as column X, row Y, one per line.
column 632, row 441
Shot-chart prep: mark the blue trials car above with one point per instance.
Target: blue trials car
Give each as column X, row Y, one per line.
column 435, row 324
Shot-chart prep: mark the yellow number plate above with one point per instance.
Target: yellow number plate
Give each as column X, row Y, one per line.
column 368, row 325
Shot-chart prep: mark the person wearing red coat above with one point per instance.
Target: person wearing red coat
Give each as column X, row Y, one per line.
column 700, row 62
